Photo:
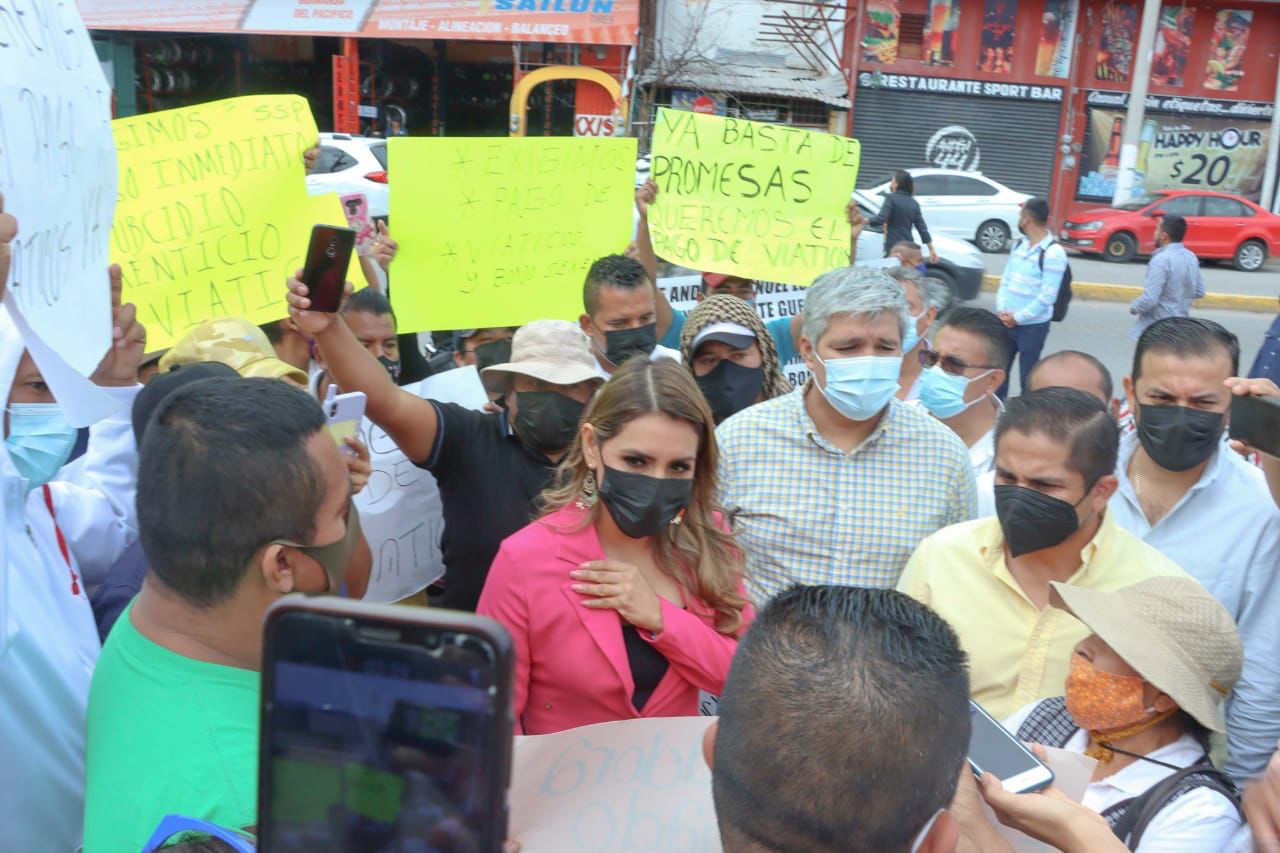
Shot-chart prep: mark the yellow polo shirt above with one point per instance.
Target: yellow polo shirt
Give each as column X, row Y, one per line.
column 1018, row 654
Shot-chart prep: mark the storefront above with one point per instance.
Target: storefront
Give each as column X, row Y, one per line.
column 375, row 66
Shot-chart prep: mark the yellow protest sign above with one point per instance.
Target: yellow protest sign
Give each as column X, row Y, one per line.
column 498, row 232
column 762, row 201
column 212, row 210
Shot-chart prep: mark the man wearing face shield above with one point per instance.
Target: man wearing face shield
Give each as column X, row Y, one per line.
column 235, row 510
column 489, row 465
column 1187, row 494
column 1055, row 454
column 58, row 539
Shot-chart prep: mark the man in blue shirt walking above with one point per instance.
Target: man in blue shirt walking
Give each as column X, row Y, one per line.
column 1029, row 289
column 1173, row 279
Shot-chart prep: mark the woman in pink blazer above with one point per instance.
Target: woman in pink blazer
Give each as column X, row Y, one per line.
column 625, row 599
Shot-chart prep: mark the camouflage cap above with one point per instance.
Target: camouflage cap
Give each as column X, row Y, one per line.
column 235, row 342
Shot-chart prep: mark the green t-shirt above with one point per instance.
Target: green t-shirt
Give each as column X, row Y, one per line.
column 166, row 735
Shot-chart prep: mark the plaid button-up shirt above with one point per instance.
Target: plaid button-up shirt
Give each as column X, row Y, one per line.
column 807, row 512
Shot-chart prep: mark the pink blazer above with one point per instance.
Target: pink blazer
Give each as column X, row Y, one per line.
column 571, row 663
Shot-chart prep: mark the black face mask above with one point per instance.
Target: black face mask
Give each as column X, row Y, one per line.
column 1033, row 521
column 393, row 367
column 1177, row 438
column 547, row 420
column 494, row 352
column 730, row 387
column 622, row 344
column 642, row 505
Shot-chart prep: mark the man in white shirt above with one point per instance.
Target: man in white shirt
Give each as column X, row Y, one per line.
column 620, row 313
column 1185, row 493
column 965, row 371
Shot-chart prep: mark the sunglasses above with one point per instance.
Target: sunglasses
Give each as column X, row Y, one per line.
column 950, row 364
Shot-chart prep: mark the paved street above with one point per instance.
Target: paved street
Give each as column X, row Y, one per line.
column 1102, row 328
column 1219, row 277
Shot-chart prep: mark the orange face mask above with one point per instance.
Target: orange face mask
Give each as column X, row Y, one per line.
column 1102, row 701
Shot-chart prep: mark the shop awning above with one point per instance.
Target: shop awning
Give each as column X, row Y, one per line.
column 830, row 89
column 569, row 21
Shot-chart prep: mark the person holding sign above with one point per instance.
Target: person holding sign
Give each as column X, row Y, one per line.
column 489, row 466
column 620, row 313
column 900, row 214
column 732, row 356
column 838, row 481
column 625, row 599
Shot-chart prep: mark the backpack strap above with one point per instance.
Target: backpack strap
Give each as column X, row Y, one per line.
column 1129, row 819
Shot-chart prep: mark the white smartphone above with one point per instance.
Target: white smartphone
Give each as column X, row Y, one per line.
column 994, row 749
column 344, row 414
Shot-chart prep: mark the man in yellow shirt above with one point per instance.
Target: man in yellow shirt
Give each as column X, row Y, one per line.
column 1055, row 461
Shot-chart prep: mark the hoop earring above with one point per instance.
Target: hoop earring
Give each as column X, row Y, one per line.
column 587, row 498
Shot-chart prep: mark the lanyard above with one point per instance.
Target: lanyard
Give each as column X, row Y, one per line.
column 62, row 542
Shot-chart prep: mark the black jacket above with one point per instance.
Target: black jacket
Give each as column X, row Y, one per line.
column 898, row 215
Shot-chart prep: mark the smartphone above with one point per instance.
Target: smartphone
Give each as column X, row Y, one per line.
column 383, row 728
column 344, row 415
column 325, row 272
column 1256, row 422
column 994, row 749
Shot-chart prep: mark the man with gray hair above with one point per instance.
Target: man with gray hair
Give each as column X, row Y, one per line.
column 838, row 481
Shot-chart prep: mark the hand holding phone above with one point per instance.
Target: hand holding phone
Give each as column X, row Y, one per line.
column 344, row 415
column 325, row 272
column 1255, row 414
column 994, row 749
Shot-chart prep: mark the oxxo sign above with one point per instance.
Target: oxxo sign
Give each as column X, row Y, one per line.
column 587, row 125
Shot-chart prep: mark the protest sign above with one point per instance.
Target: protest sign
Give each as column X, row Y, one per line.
column 58, row 176
column 746, row 198
column 213, row 210
column 633, row 785
column 504, row 229
column 400, row 509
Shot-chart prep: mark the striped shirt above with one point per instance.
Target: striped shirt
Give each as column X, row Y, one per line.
column 807, row 512
column 1026, row 291
column 1173, row 282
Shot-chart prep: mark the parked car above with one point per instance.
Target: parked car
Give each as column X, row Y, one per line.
column 960, row 205
column 960, row 266
column 1219, row 225
column 352, row 164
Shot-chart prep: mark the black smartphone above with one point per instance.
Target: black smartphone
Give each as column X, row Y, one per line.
column 994, row 749
column 1256, row 422
column 325, row 272
column 383, row 728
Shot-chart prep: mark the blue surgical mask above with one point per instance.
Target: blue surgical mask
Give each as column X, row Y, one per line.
column 859, row 388
column 913, row 331
column 40, row 441
column 943, row 394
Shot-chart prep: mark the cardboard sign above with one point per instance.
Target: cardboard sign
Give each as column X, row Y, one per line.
column 213, row 210
column 633, row 785
column 757, row 200
column 58, row 176
column 400, row 509
column 504, row 230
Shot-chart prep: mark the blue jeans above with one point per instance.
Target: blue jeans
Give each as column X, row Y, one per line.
column 1025, row 344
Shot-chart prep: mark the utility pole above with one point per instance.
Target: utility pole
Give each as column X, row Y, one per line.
column 1139, row 80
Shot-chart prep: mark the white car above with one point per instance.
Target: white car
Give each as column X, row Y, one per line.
column 352, row 164
column 960, row 266
column 961, row 205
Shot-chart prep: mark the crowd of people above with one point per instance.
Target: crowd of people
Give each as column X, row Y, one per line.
column 656, row 515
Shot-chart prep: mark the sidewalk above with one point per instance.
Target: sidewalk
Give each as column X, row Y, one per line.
column 1128, row 293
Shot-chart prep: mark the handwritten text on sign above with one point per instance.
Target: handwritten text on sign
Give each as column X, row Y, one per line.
column 763, row 201
column 504, row 229
column 635, row 785
column 213, row 210
column 58, row 176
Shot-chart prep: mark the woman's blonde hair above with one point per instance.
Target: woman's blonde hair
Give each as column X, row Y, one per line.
column 697, row 553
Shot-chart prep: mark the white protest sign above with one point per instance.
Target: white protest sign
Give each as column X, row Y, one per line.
column 636, row 785
column 58, row 176
column 400, row 509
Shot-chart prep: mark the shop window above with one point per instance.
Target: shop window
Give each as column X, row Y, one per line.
column 911, row 36
column 961, row 185
column 1183, row 205
column 1218, row 206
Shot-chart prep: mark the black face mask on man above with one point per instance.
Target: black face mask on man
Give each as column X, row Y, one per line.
column 642, row 505
column 622, row 344
column 730, row 388
column 1033, row 521
column 547, row 420
column 1178, row 438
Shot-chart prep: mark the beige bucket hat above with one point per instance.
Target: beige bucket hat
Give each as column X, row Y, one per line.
column 235, row 342
column 554, row 351
column 1172, row 632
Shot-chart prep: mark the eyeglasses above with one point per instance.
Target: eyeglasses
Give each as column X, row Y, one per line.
column 950, row 364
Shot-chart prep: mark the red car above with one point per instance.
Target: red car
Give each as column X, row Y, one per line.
column 1219, row 225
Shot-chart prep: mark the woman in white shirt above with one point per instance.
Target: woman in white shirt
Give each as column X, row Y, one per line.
column 1143, row 694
